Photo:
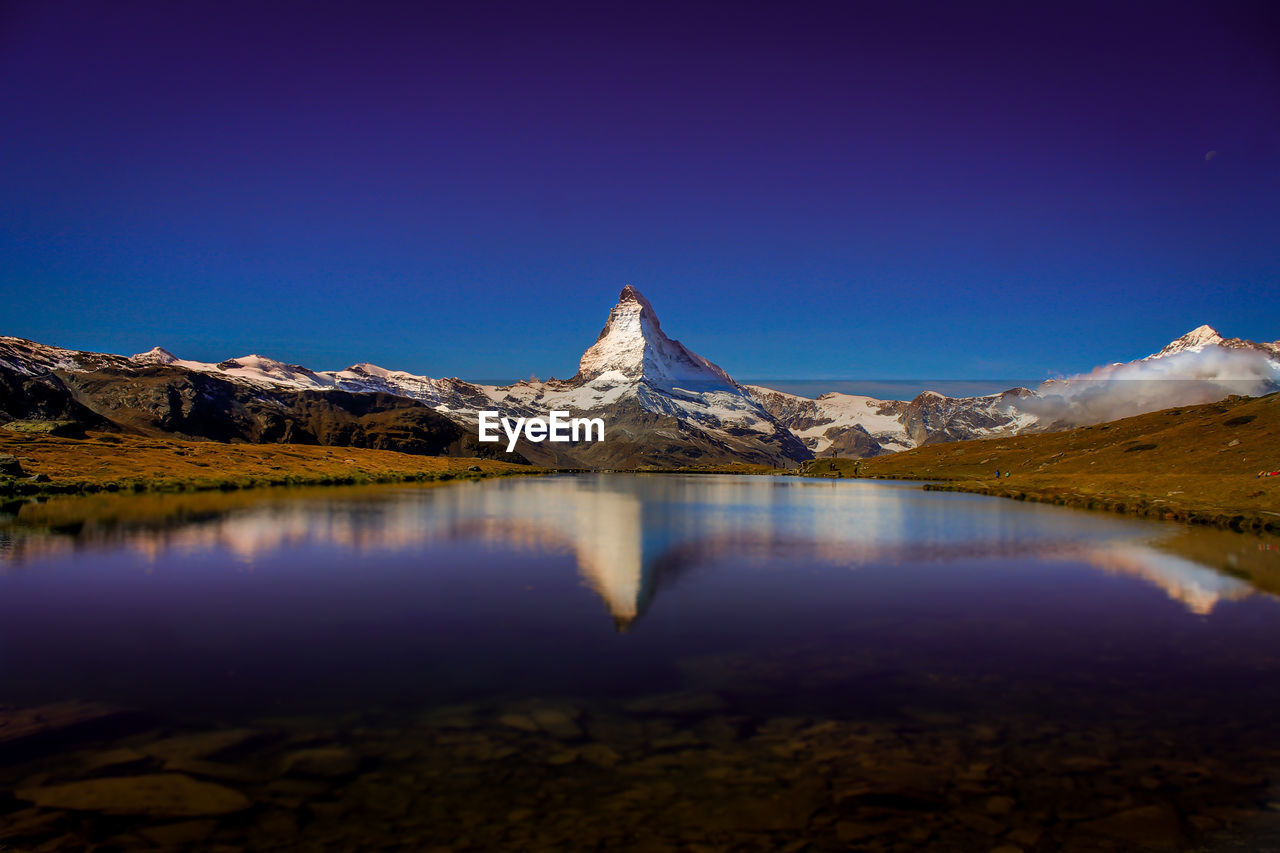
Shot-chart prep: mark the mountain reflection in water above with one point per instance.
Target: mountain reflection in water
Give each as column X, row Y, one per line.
column 632, row 534
column 798, row 665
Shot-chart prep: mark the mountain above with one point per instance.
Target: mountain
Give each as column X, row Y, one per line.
column 155, row 396
column 662, row 404
column 1200, row 367
column 852, row 425
column 1202, row 337
column 632, row 346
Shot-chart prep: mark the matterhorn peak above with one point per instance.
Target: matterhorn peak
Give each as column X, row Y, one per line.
column 1193, row 341
column 630, row 294
column 632, row 346
column 155, row 355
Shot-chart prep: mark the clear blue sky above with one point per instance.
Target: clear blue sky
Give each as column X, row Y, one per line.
column 884, row 190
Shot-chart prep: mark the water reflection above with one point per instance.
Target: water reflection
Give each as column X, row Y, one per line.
column 810, row 665
column 629, row 535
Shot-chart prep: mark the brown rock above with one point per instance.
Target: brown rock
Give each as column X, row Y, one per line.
column 556, row 723
column 1025, row 835
column 678, row 740
column 27, row 822
column 1146, row 828
column 111, row 758
column 849, row 831
column 275, row 826
column 567, row 756
column 1000, row 805
column 599, row 754
column 784, row 810
column 62, row 842
column 321, row 761
column 980, row 823
column 523, row 722
column 1203, row 823
column 156, row 794
column 200, row 745
column 214, row 770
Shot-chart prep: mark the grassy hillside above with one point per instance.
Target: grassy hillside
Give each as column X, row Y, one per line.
column 1196, row 463
column 129, row 463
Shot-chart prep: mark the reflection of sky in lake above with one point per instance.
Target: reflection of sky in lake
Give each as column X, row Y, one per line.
column 628, row 534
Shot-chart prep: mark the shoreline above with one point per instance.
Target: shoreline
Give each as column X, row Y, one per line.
column 111, row 463
column 1241, row 520
column 1197, row 465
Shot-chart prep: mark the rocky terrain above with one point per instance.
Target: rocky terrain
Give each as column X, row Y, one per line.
column 858, row 427
column 683, row 770
column 663, row 405
column 1206, row 464
column 148, row 398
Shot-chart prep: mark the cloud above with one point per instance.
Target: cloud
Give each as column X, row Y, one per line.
column 1123, row 390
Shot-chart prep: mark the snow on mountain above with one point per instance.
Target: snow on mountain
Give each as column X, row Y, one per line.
column 1193, row 341
column 254, row 369
column 1199, row 367
column 155, row 355
column 664, row 403
column 258, row 368
column 634, row 346
column 656, row 391
column 1206, row 338
column 855, row 425
column 822, row 422
column 30, row 358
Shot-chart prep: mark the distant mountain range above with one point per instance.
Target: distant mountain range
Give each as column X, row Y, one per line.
column 662, row 404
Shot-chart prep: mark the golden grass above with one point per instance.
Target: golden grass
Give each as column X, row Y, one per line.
column 115, row 462
column 1195, row 463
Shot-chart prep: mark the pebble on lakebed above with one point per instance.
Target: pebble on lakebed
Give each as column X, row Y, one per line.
column 676, row 771
column 156, row 794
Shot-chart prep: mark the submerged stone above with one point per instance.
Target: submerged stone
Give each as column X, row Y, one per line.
column 321, row 761
column 27, row 822
column 157, row 794
column 523, row 722
column 199, row 745
column 112, row 758
column 1000, row 805
column 556, row 723
column 1146, row 828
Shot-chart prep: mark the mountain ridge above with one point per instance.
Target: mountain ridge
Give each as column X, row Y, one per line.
column 662, row 403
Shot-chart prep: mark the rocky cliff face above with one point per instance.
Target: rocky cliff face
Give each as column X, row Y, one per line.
column 662, row 404
column 633, row 347
column 1203, row 337
column 159, row 399
column 854, row 426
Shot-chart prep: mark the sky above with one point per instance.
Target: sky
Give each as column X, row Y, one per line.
column 802, row 190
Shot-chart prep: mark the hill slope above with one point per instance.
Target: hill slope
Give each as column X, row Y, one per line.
column 1198, row 463
column 113, row 462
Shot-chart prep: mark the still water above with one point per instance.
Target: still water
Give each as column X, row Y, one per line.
column 632, row 662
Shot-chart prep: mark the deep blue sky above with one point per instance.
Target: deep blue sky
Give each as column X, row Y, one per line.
column 886, row 190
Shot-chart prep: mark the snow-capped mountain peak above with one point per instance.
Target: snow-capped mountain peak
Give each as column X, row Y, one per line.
column 1193, row 341
column 155, row 355
column 633, row 345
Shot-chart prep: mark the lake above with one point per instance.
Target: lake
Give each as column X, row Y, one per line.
column 632, row 662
